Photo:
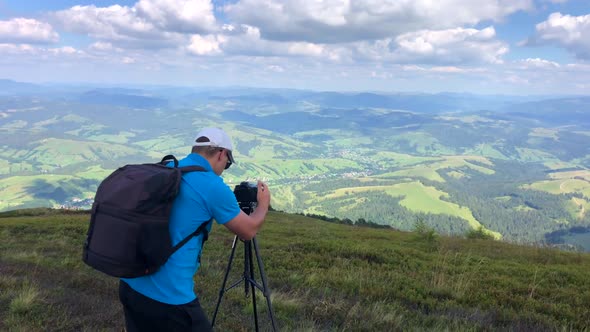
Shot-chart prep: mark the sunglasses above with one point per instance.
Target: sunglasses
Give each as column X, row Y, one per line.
column 229, row 158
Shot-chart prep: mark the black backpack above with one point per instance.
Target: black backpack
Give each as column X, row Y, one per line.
column 128, row 234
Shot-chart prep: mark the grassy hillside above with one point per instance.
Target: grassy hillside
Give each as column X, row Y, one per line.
column 323, row 277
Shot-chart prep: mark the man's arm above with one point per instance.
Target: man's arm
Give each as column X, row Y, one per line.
column 246, row 226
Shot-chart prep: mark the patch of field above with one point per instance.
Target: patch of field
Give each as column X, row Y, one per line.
column 471, row 119
column 158, row 147
column 523, row 208
column 389, row 159
column 486, row 150
column 534, row 155
column 339, row 139
column 94, row 173
column 550, row 186
column 74, row 118
column 40, row 125
column 295, row 169
column 545, row 132
column 564, row 182
column 14, row 125
column 503, row 198
column 8, row 167
column 430, row 171
column 53, row 152
column 259, row 144
column 558, row 164
column 87, row 129
column 579, row 174
column 122, row 138
column 417, row 198
column 423, row 143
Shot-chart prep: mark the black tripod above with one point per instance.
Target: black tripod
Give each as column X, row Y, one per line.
column 248, row 278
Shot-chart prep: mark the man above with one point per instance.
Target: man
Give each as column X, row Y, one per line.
column 165, row 300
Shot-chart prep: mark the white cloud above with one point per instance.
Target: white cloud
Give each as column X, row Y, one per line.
column 102, row 47
column 570, row 32
column 305, row 49
column 205, row 45
column 32, row 52
column 448, row 70
column 516, row 79
column 578, row 67
column 442, row 47
column 444, row 69
column 246, row 40
column 438, row 47
column 27, row 31
column 66, row 50
column 148, row 24
column 17, row 49
column 116, row 24
column 345, row 21
column 538, row 63
column 275, row 68
column 189, row 16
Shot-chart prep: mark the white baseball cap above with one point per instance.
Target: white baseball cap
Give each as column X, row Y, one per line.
column 217, row 138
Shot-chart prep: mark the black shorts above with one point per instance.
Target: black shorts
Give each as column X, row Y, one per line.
column 145, row 314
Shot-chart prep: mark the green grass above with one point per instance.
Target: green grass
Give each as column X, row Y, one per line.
column 323, row 277
column 430, row 170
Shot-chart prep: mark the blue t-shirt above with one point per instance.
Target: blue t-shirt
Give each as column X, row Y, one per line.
column 202, row 196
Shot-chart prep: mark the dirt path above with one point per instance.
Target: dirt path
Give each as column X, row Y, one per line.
column 583, row 210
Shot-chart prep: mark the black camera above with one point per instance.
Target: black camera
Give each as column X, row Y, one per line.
column 247, row 196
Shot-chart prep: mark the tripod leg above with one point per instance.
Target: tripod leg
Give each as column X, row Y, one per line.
column 222, row 290
column 246, row 275
column 266, row 290
column 252, row 282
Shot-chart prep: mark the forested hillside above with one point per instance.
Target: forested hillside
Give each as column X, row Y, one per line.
column 518, row 167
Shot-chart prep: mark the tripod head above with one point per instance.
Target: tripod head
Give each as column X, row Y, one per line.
column 247, row 207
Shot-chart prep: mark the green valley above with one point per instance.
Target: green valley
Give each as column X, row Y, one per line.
column 521, row 176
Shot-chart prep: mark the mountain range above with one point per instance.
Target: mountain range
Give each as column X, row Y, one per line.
column 515, row 166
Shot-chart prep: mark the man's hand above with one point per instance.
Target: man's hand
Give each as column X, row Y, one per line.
column 246, row 226
column 263, row 195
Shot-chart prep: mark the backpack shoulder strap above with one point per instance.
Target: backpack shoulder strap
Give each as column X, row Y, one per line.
column 169, row 158
column 187, row 169
column 183, row 169
column 201, row 229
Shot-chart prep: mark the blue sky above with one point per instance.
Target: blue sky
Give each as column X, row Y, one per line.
column 486, row 46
